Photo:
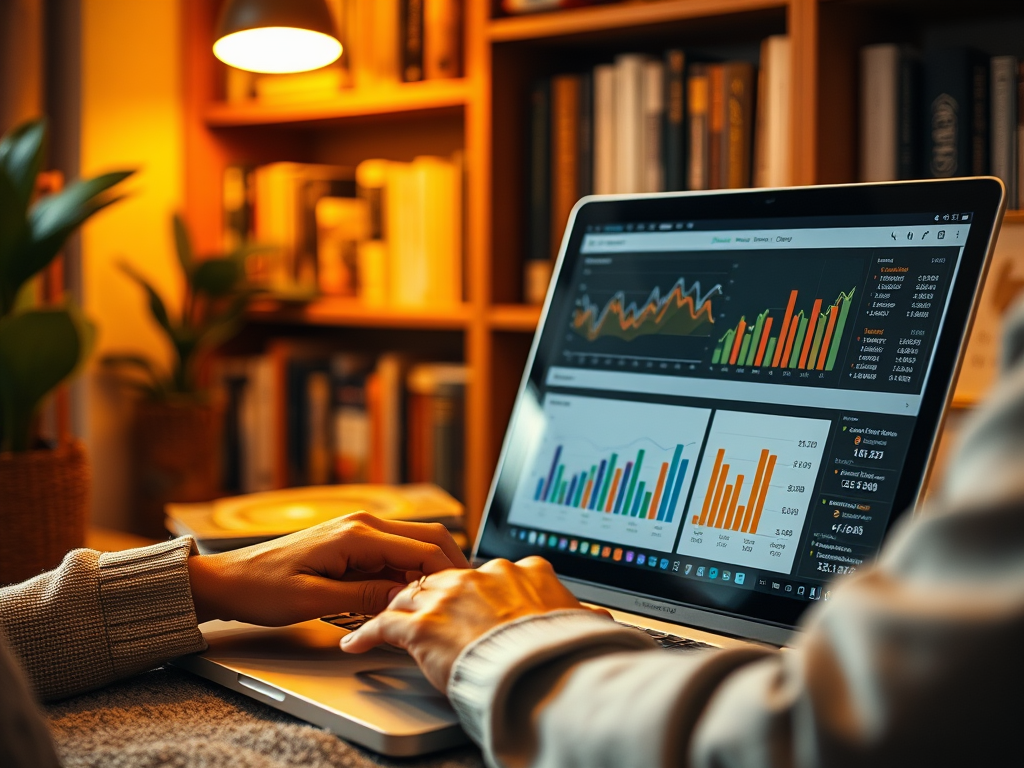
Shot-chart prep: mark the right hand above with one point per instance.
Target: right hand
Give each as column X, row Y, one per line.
column 436, row 618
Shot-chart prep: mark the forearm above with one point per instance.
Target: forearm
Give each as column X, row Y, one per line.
column 100, row 617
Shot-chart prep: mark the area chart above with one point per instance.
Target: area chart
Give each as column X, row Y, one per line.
column 681, row 311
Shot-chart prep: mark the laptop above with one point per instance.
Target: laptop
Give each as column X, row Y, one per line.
column 730, row 400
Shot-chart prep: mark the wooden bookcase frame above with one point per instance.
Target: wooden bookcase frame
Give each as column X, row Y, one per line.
column 483, row 113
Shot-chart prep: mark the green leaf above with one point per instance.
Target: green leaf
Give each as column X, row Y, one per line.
column 183, row 245
column 217, row 277
column 38, row 350
column 14, row 238
column 156, row 304
column 21, row 157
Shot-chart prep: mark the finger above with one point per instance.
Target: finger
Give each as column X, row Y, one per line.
column 328, row 596
column 536, row 563
column 379, row 549
column 392, row 627
column 431, row 533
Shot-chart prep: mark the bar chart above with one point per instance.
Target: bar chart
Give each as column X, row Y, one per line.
column 754, row 489
column 803, row 341
column 614, row 469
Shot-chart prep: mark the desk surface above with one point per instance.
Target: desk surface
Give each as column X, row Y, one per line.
column 168, row 717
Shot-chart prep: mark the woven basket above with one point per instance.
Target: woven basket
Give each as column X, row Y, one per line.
column 44, row 500
column 176, row 450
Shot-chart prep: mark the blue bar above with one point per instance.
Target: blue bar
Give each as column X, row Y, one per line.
column 675, row 491
column 670, row 482
column 551, row 472
column 639, row 499
column 540, row 489
column 580, row 487
column 622, row 486
column 572, row 489
column 597, row 485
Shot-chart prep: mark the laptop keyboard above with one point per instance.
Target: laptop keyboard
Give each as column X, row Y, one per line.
column 353, row 621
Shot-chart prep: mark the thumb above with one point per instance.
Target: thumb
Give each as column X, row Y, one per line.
column 370, row 596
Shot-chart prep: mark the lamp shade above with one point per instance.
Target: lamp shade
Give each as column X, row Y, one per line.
column 276, row 35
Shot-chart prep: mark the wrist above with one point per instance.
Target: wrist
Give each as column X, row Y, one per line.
column 205, row 580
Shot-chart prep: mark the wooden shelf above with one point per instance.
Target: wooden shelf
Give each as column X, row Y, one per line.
column 1014, row 217
column 406, row 99
column 349, row 312
column 514, row 317
column 605, row 18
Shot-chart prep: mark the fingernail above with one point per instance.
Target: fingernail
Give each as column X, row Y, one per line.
column 347, row 638
column 394, row 593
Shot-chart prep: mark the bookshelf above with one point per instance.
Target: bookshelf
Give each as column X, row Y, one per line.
column 485, row 114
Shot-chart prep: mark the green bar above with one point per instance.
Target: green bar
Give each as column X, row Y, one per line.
column 645, row 507
column 579, row 491
column 561, row 492
column 744, row 346
column 818, row 333
column 558, row 477
column 837, row 334
column 798, row 342
column 607, row 483
column 755, row 339
column 636, row 504
column 769, row 352
column 717, row 355
column 632, row 481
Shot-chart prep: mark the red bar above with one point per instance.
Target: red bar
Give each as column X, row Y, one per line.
column 784, row 330
column 789, row 341
column 765, row 330
column 711, row 486
column 764, row 492
column 738, row 343
column 833, row 313
column 653, row 513
column 815, row 310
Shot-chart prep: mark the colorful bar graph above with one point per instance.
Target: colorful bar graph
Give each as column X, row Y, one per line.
column 721, row 507
column 804, row 341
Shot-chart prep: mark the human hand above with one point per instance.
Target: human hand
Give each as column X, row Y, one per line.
column 353, row 563
column 435, row 618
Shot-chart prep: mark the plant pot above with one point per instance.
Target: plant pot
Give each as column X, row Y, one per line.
column 44, row 509
column 177, row 455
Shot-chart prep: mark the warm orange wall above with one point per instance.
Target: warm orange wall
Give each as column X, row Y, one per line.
column 131, row 118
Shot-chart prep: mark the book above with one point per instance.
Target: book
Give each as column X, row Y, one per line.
column 350, row 456
column 411, row 21
column 604, row 129
column 955, row 133
column 385, row 398
column 436, row 425
column 238, row 199
column 737, row 123
column 537, row 261
column 442, row 32
column 1003, row 123
column 342, row 223
column 585, row 136
column 629, row 123
column 674, row 138
column 698, row 105
column 652, row 176
column 564, row 131
column 772, row 132
column 889, row 113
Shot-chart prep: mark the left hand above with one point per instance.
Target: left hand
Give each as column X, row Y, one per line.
column 352, row 563
column 438, row 617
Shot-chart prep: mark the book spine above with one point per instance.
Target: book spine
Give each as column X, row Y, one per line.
column 1004, row 121
column 629, row 123
column 565, row 109
column 698, row 102
column 653, row 178
column 604, row 129
column 956, row 99
column 909, row 111
column 716, row 126
column 739, row 95
column 979, row 116
column 318, row 450
column 674, row 141
column 539, row 203
column 441, row 48
column 411, row 32
column 878, row 112
column 585, row 140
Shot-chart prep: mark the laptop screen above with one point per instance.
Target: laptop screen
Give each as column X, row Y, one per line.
column 720, row 411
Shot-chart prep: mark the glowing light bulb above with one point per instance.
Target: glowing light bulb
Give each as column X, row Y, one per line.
column 277, row 49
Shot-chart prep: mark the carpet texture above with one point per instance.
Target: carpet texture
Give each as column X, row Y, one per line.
column 167, row 717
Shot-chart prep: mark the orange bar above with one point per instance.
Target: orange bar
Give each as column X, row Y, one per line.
column 833, row 313
column 784, row 330
column 720, row 517
column 653, row 513
column 764, row 492
column 765, row 330
column 711, row 486
column 612, row 491
column 789, row 341
column 815, row 311
column 758, row 478
column 738, row 343
column 586, row 494
column 718, row 495
column 732, row 502
column 739, row 517
column 695, row 519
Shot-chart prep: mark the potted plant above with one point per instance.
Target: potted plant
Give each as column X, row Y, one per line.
column 44, row 488
column 176, row 429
